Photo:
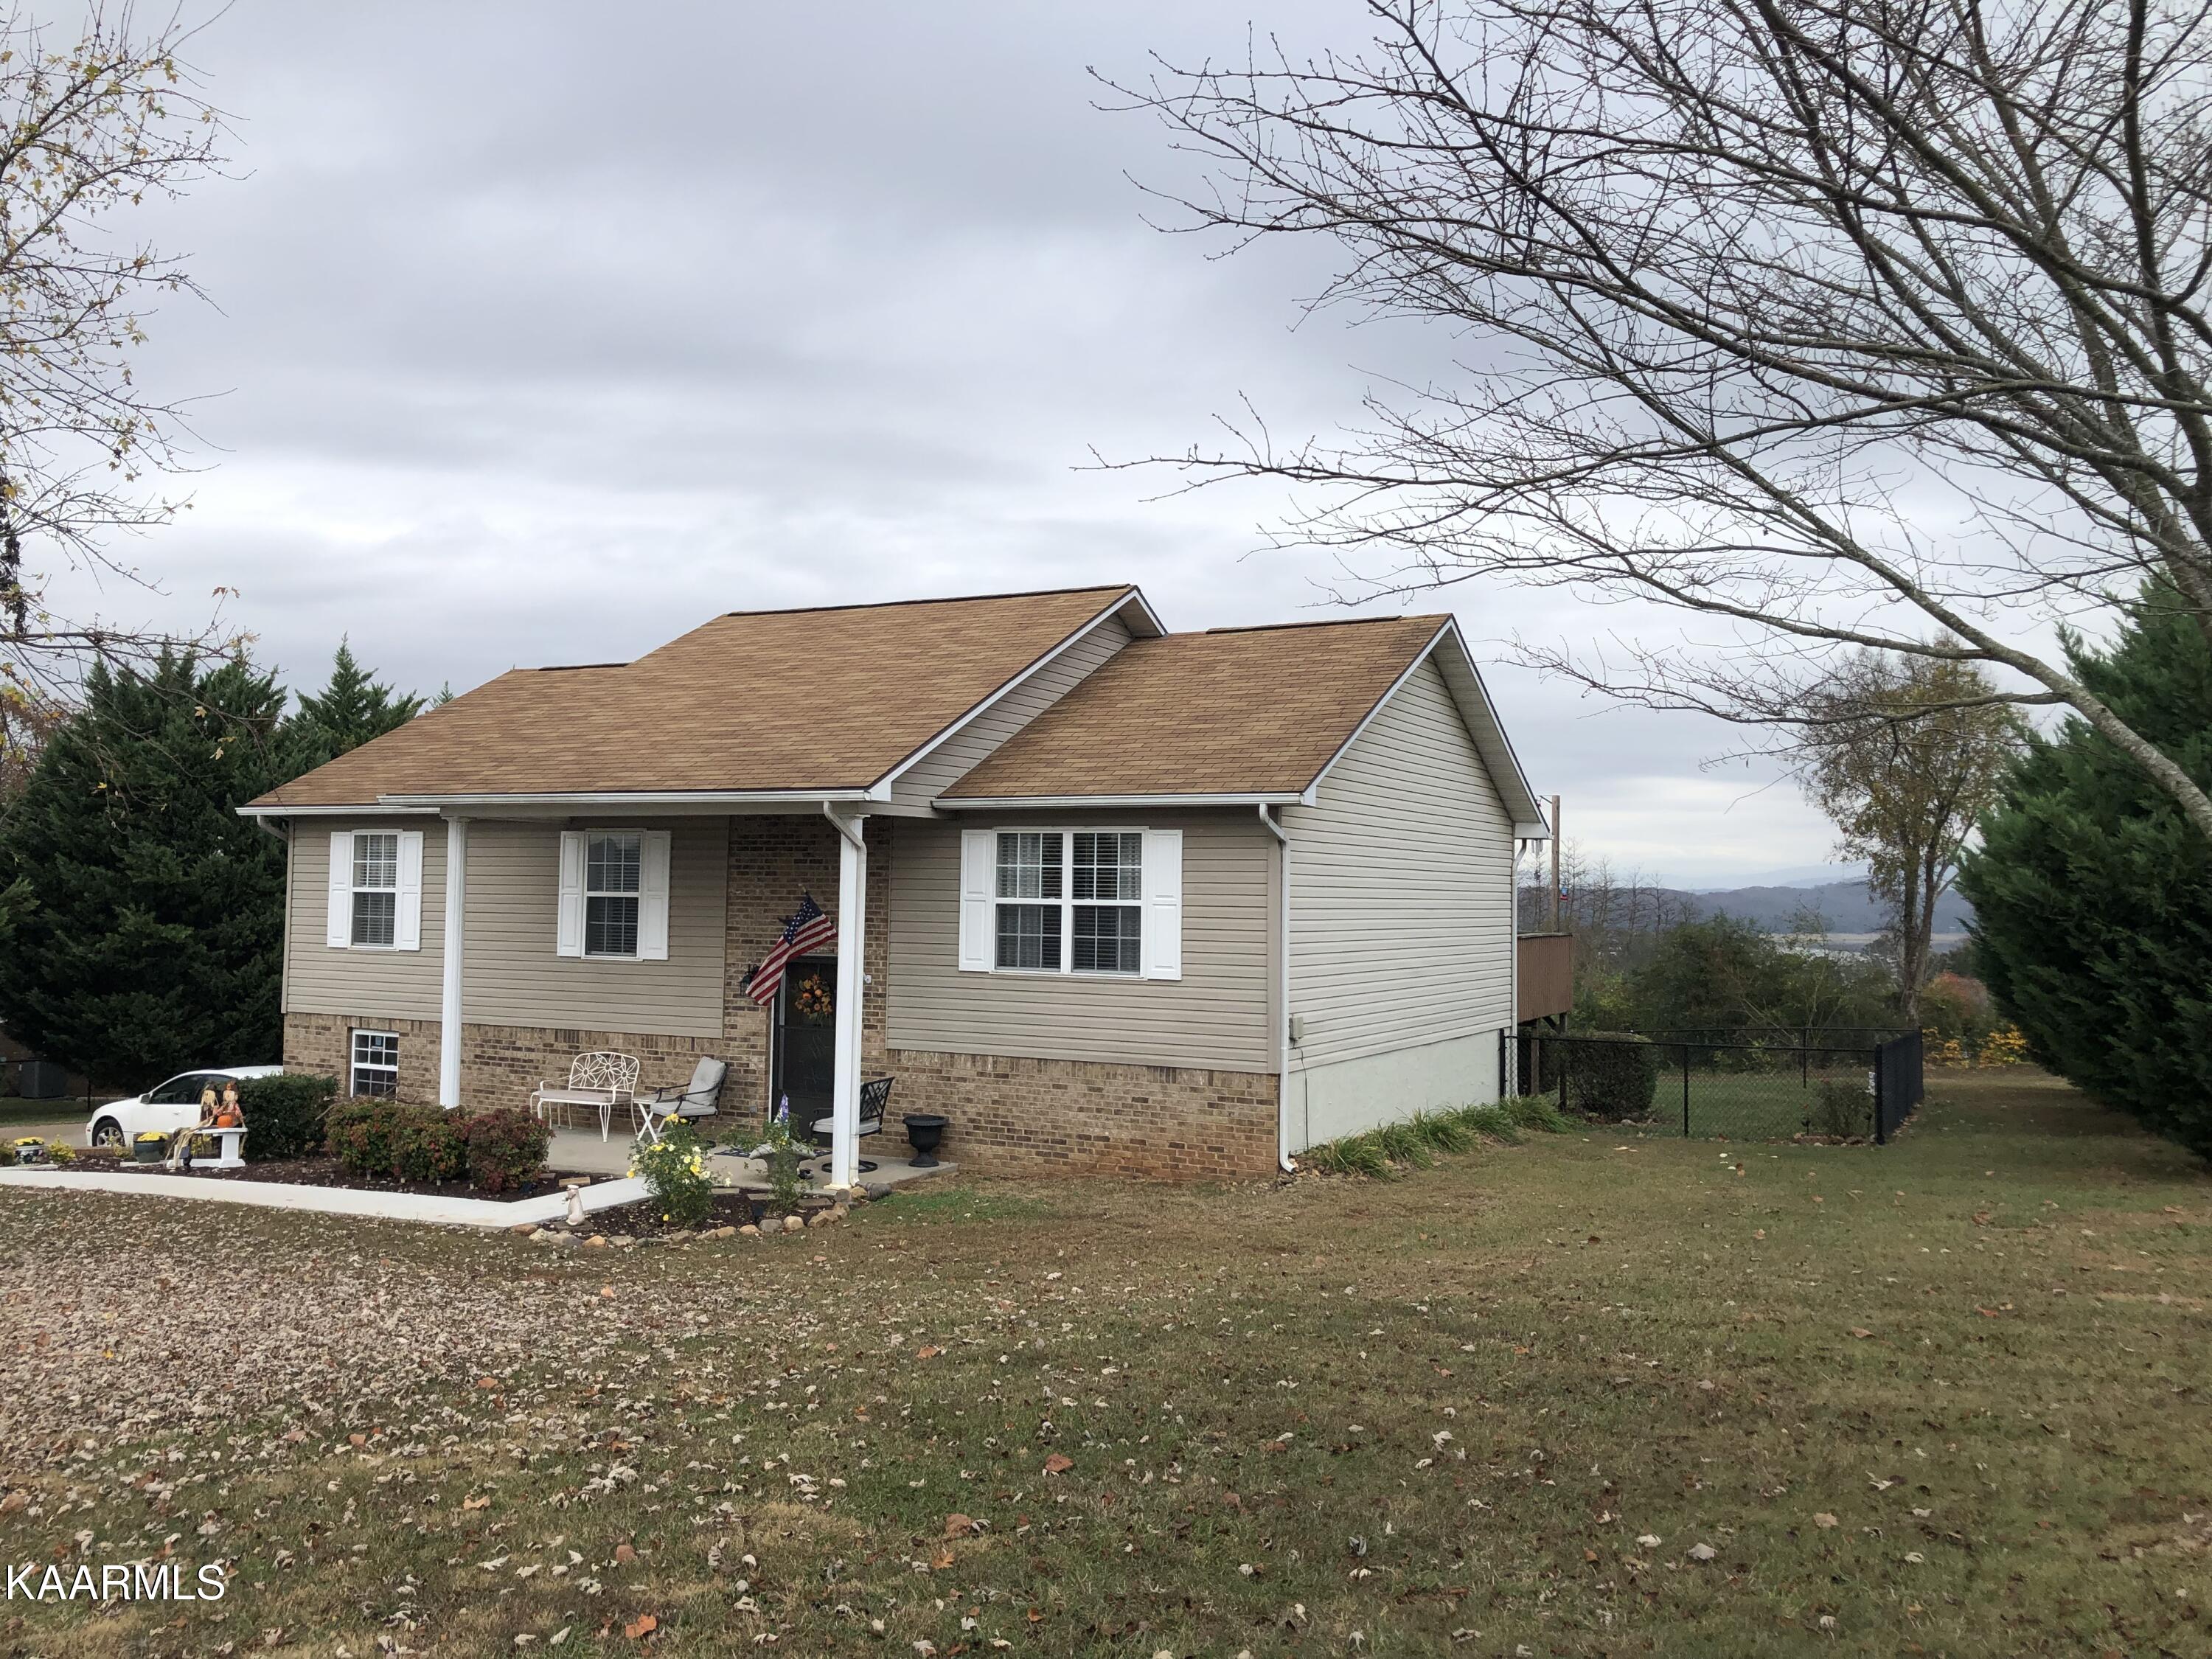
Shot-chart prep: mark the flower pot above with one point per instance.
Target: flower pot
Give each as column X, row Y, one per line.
column 924, row 1130
column 148, row 1152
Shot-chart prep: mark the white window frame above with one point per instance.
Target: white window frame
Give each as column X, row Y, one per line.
column 355, row 1066
column 362, row 889
column 1068, row 903
column 655, row 856
column 406, row 889
column 634, row 895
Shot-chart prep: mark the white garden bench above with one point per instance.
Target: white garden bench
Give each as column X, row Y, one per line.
column 602, row 1082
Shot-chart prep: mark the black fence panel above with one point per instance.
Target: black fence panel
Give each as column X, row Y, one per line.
column 1766, row 1086
column 1898, row 1080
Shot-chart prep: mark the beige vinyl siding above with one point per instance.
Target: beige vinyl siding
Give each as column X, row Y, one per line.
column 363, row 984
column 511, row 975
column 1401, row 887
column 966, row 749
column 1215, row 1017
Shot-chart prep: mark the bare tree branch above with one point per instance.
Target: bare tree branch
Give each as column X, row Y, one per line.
column 1855, row 324
column 90, row 125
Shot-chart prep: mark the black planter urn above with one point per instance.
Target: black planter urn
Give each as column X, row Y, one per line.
column 924, row 1130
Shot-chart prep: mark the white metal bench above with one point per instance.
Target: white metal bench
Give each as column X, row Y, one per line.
column 602, row 1082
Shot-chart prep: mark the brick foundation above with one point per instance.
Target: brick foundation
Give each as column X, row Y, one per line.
column 1031, row 1117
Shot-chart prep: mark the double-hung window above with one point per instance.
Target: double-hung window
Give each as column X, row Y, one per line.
column 375, row 1062
column 1068, row 900
column 376, row 889
column 1107, row 904
column 614, row 895
column 1032, row 898
column 613, row 864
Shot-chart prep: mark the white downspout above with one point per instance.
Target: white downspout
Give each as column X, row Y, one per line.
column 852, row 934
column 1282, row 977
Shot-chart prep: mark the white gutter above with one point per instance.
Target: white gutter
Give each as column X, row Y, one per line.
column 623, row 798
column 368, row 810
column 1074, row 802
column 1282, row 977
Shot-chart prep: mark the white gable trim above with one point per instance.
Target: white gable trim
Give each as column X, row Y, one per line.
column 1146, row 617
column 1463, row 680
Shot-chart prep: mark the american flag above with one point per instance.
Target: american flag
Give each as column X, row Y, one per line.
column 807, row 930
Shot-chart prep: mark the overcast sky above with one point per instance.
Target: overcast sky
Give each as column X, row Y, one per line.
column 546, row 331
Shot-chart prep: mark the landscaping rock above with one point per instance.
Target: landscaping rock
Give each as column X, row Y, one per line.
column 720, row 1233
column 749, row 1231
column 821, row 1218
column 623, row 1241
column 597, row 1242
column 527, row 1229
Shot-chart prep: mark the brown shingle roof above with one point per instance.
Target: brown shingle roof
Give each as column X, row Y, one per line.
column 829, row 699
column 1239, row 711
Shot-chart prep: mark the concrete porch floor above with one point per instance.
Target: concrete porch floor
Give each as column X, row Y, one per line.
column 580, row 1151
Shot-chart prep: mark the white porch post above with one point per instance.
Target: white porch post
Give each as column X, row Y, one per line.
column 449, row 1009
column 852, row 937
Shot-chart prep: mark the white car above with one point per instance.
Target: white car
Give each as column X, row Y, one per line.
column 164, row 1109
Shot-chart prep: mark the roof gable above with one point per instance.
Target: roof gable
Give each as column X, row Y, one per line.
column 1258, row 714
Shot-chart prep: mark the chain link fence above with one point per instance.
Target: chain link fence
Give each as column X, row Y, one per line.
column 1852, row 1083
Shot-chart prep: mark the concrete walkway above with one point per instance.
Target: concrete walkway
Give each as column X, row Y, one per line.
column 340, row 1200
column 580, row 1151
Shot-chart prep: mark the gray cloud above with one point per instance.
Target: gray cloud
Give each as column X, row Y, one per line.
column 545, row 331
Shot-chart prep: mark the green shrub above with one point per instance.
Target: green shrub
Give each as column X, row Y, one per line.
column 1612, row 1077
column 284, row 1115
column 506, row 1148
column 675, row 1172
column 406, row 1143
column 1842, row 1109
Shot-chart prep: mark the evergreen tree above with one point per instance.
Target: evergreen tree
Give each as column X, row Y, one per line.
column 347, row 712
column 2092, row 894
column 141, row 918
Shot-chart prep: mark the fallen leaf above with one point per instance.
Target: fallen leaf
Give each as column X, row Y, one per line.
column 1861, row 1331
column 1702, row 1552
column 640, row 1627
column 957, row 1525
column 1824, row 1520
column 624, row 1555
column 927, row 1353
column 483, row 1502
column 1058, row 1464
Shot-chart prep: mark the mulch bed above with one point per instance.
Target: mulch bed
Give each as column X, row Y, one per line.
column 309, row 1172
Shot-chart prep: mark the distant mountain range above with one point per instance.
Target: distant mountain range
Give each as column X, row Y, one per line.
column 1848, row 906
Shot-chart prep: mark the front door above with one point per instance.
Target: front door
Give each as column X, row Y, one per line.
column 805, row 1050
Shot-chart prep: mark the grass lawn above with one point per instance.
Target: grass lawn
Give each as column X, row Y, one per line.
column 1579, row 1395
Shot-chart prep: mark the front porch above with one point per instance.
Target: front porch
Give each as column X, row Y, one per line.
column 696, row 902
column 580, row 1151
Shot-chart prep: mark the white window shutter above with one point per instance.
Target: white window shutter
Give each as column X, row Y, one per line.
column 407, row 925
column 1163, row 926
column 338, row 932
column 979, row 865
column 652, row 899
column 568, row 939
